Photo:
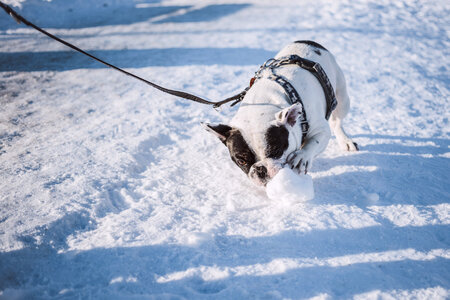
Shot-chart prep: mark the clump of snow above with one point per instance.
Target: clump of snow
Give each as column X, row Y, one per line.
column 289, row 187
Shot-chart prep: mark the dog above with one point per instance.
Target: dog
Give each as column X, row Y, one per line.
column 265, row 135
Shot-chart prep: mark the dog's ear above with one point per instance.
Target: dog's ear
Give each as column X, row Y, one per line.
column 289, row 115
column 222, row 131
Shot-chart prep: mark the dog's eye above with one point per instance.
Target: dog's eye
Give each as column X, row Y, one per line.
column 241, row 162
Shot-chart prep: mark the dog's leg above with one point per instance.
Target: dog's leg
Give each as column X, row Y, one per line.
column 339, row 114
column 316, row 142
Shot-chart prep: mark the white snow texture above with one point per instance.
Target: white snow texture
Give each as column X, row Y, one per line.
column 110, row 189
column 288, row 187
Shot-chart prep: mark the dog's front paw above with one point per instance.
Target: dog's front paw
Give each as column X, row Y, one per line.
column 300, row 161
column 348, row 145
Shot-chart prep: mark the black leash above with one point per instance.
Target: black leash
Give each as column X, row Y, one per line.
column 19, row 19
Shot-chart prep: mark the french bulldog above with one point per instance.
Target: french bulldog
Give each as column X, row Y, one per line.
column 265, row 133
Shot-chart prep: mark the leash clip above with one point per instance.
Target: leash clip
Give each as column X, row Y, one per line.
column 217, row 108
column 269, row 63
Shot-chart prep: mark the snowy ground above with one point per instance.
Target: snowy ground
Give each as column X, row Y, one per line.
column 112, row 190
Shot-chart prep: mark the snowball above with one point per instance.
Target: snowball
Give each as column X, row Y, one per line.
column 288, row 186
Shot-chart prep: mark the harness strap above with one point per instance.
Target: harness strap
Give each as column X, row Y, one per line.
column 294, row 97
column 318, row 72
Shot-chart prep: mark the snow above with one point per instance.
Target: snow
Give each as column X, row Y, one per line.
column 110, row 189
column 288, row 187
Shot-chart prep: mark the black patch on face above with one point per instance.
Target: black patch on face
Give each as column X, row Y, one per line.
column 240, row 152
column 312, row 43
column 318, row 52
column 277, row 138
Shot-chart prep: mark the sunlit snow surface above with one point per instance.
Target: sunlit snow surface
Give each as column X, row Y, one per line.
column 112, row 190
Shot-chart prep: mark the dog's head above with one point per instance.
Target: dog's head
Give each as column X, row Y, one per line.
column 260, row 148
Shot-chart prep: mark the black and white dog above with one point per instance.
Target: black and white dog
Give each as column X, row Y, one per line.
column 265, row 133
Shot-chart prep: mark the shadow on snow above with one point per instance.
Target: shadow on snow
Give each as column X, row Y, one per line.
column 47, row 272
column 45, row 268
column 206, row 14
column 403, row 173
column 108, row 13
column 69, row 60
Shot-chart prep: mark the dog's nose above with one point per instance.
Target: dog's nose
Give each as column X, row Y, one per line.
column 261, row 171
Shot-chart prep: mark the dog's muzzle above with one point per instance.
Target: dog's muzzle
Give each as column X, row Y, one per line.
column 263, row 171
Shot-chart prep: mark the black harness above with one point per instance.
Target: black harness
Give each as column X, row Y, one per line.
column 293, row 96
